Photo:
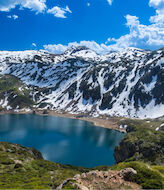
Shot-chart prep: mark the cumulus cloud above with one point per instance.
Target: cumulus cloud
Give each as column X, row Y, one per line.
column 59, row 12
column 38, row 6
column 141, row 36
column 159, row 6
column 55, row 48
column 13, row 17
column 59, row 48
column 34, row 5
column 156, row 3
column 145, row 36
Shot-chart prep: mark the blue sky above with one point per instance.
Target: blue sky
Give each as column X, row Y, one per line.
column 101, row 25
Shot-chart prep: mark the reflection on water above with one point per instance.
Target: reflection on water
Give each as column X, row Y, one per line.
column 62, row 140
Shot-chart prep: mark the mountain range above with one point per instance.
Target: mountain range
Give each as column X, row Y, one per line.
column 129, row 83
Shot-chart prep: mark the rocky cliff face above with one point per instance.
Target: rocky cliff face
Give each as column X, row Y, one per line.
column 127, row 83
column 143, row 142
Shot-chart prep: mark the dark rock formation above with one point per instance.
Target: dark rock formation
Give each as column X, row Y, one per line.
column 141, row 143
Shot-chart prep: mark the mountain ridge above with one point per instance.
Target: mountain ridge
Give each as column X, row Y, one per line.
column 129, row 83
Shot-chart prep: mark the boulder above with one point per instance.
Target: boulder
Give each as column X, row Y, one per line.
column 127, row 173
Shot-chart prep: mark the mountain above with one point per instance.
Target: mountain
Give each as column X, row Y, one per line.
column 129, row 83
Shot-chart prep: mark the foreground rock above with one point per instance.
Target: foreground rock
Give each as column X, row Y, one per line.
column 102, row 180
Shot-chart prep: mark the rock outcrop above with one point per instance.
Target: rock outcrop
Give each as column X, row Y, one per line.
column 102, row 180
column 142, row 142
column 14, row 150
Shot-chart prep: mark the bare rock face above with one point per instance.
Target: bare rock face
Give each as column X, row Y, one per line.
column 141, row 143
column 124, row 150
column 102, row 180
column 127, row 173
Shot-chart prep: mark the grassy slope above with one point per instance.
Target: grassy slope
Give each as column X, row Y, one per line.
column 19, row 169
column 11, row 85
column 148, row 176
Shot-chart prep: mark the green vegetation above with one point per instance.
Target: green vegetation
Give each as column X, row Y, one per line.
column 149, row 177
column 142, row 142
column 8, row 82
column 138, row 123
column 71, row 184
column 16, row 92
column 24, row 168
column 36, row 174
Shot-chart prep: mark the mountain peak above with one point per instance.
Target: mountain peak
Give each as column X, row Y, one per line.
column 74, row 49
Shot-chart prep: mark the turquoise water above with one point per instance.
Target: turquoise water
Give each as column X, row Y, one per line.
column 62, row 140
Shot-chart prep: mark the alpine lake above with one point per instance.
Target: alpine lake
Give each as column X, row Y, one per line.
column 62, row 140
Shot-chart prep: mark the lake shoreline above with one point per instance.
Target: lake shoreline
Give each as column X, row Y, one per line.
column 100, row 121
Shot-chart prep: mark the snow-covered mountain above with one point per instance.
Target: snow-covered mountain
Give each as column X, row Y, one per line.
column 128, row 83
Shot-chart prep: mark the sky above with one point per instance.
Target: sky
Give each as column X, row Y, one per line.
column 101, row 25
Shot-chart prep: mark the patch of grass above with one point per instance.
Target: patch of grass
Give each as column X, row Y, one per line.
column 8, row 82
column 4, row 159
column 10, row 86
column 149, row 177
column 37, row 174
column 70, row 185
column 147, row 123
column 159, row 168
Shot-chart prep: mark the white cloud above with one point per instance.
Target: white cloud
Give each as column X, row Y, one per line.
column 55, row 48
column 132, row 21
column 59, row 48
column 34, row 44
column 156, row 3
column 13, row 17
column 38, row 6
column 34, row 5
column 145, row 36
column 141, row 36
column 59, row 12
column 159, row 6
column 110, row 2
